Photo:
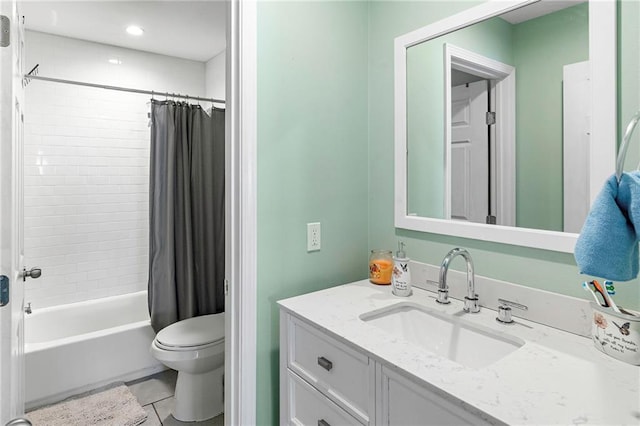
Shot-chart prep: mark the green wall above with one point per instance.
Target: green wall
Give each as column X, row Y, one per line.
column 629, row 75
column 325, row 153
column 312, row 161
column 542, row 46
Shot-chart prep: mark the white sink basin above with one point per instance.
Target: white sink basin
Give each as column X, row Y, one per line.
column 446, row 335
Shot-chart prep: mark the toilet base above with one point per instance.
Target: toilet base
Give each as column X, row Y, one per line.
column 199, row 396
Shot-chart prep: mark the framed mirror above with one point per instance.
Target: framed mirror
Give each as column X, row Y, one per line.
column 505, row 121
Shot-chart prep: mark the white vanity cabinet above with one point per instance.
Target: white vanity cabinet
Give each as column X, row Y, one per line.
column 401, row 401
column 325, row 382
column 339, row 367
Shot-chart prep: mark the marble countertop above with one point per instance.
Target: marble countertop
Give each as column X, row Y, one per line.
column 555, row 378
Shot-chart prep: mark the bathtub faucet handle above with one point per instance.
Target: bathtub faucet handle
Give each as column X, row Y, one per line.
column 20, row 421
column 34, row 272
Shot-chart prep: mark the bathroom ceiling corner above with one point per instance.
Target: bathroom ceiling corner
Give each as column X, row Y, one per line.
column 535, row 10
column 173, row 28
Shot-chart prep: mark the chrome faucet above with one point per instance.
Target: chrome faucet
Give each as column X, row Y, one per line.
column 27, row 309
column 471, row 299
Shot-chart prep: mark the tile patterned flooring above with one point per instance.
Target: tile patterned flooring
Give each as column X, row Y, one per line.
column 155, row 394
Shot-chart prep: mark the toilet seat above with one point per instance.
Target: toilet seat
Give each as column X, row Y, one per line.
column 186, row 348
column 192, row 334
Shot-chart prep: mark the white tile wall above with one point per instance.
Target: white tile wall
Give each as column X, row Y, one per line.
column 215, row 76
column 87, row 167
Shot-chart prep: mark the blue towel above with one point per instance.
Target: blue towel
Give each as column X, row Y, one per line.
column 608, row 243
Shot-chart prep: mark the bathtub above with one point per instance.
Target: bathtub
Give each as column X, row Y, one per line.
column 70, row 349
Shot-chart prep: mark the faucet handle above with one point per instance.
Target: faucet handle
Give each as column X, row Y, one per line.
column 504, row 310
column 504, row 314
column 443, row 297
column 471, row 304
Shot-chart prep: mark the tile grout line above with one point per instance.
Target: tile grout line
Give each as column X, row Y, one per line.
column 162, row 399
column 157, row 415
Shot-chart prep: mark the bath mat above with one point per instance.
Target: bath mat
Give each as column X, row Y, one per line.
column 115, row 406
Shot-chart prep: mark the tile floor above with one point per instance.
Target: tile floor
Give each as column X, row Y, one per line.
column 155, row 394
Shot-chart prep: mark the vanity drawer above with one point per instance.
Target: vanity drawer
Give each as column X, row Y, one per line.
column 342, row 374
column 309, row 407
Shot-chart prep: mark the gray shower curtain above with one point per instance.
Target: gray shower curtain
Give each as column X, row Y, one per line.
column 186, row 213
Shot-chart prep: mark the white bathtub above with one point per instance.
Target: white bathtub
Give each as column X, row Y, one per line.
column 82, row 346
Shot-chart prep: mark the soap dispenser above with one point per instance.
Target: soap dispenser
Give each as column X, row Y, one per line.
column 401, row 279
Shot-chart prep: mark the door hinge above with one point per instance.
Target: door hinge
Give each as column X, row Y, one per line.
column 226, row 287
column 491, row 118
column 4, row 290
column 5, row 31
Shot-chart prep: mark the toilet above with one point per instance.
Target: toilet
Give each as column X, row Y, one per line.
column 194, row 347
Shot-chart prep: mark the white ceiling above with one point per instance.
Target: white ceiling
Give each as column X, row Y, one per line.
column 182, row 28
column 185, row 29
column 540, row 8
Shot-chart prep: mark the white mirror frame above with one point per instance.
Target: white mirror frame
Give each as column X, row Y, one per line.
column 602, row 145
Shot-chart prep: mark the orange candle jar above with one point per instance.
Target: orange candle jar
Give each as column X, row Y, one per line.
column 380, row 267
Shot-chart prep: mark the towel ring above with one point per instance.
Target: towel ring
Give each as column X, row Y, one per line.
column 622, row 154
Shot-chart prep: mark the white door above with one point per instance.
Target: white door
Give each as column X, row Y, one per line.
column 469, row 152
column 11, row 215
column 576, row 131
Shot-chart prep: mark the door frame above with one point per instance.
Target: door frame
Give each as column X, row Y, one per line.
column 11, row 216
column 505, row 129
column 241, row 214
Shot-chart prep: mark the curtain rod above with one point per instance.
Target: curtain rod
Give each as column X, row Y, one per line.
column 123, row 89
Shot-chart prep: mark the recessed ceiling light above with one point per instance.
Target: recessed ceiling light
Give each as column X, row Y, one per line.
column 135, row 30
column 115, row 61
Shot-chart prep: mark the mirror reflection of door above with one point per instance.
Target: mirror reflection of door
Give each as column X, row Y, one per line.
column 471, row 195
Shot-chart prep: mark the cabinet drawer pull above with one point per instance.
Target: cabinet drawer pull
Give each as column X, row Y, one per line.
column 323, row 422
column 326, row 364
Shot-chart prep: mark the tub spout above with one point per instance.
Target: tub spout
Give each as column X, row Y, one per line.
column 27, row 309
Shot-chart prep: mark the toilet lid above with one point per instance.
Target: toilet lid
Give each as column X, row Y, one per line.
column 197, row 331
